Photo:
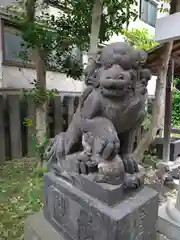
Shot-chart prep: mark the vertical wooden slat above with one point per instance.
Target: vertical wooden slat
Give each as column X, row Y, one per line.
column 24, row 130
column 32, row 129
column 58, row 115
column 2, row 132
column 49, row 118
column 71, row 109
column 76, row 102
column 15, row 126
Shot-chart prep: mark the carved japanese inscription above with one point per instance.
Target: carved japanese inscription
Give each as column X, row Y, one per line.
column 85, row 226
column 138, row 225
column 60, row 206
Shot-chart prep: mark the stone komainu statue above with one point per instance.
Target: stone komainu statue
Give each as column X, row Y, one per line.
column 110, row 110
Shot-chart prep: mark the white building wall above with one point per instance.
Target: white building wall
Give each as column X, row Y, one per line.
column 13, row 77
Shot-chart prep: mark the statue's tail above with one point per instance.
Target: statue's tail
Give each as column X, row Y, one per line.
column 55, row 153
column 55, row 150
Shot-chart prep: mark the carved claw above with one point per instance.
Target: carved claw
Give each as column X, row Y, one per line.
column 106, row 142
column 108, row 148
column 87, row 167
column 131, row 181
column 130, row 164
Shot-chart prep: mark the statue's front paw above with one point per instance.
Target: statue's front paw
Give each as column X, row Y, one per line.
column 131, row 181
column 107, row 147
column 130, row 164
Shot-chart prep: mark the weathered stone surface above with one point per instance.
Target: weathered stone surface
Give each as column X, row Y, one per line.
column 111, row 109
column 107, row 193
column 38, row 228
column 79, row 216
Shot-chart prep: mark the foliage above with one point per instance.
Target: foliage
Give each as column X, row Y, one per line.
column 74, row 22
column 147, row 121
column 42, row 34
column 56, row 36
column 40, row 148
column 39, row 95
column 139, row 38
column 21, row 189
column 176, row 105
column 164, row 6
column 150, row 158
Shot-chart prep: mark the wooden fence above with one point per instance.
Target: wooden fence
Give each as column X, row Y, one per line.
column 16, row 138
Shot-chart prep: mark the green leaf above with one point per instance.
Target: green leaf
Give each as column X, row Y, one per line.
column 140, row 38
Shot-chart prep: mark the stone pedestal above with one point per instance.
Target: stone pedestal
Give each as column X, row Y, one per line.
column 169, row 218
column 169, row 221
column 77, row 215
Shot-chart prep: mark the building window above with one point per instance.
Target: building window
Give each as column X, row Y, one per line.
column 12, row 47
column 148, row 11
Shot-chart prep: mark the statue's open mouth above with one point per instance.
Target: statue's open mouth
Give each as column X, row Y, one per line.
column 112, row 92
column 114, row 87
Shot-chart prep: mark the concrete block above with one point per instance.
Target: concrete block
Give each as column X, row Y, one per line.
column 167, row 225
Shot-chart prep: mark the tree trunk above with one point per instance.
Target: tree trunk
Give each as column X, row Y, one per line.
column 158, row 109
column 30, row 6
column 95, row 28
column 40, row 108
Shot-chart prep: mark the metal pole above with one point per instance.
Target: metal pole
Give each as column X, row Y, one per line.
column 168, row 113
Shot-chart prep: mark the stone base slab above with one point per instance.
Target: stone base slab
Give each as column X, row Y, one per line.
column 167, row 224
column 38, row 228
column 78, row 216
